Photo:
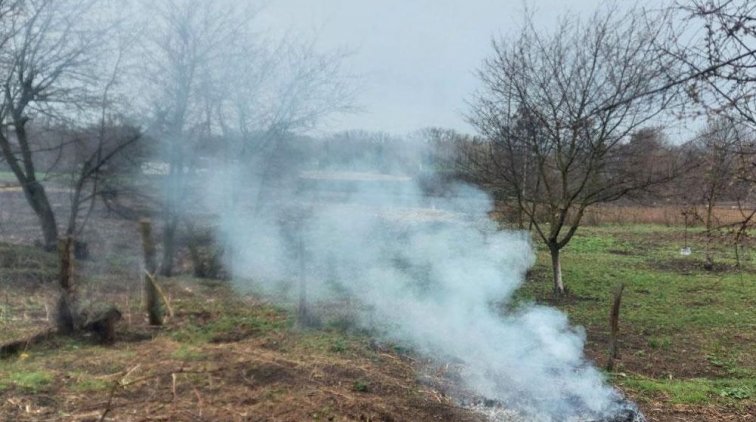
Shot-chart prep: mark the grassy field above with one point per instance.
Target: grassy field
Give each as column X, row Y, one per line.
column 687, row 339
column 688, row 334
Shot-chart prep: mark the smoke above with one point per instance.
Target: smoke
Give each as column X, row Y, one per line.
column 431, row 273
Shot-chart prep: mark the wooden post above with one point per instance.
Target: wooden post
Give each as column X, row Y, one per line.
column 152, row 296
column 614, row 327
column 303, row 317
column 66, row 303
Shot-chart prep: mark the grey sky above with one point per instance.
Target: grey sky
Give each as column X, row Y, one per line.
column 416, row 58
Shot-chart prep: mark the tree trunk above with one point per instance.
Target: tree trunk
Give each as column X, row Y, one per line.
column 556, row 267
column 37, row 198
column 709, row 264
column 169, row 246
column 66, row 312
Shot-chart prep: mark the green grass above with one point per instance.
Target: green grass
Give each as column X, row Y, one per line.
column 663, row 301
column 29, row 380
column 361, row 386
column 329, row 341
column 692, row 391
column 26, row 257
column 230, row 322
column 672, row 307
column 89, row 385
column 188, row 354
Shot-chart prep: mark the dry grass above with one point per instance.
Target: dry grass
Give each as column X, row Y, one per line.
column 668, row 215
column 221, row 358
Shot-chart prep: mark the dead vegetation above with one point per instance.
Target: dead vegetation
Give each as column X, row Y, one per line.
column 219, row 358
column 667, row 215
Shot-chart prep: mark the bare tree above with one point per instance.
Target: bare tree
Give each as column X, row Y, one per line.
column 716, row 177
column 557, row 111
column 100, row 146
column 718, row 49
column 47, row 71
column 217, row 80
column 188, row 39
column 96, row 148
column 281, row 89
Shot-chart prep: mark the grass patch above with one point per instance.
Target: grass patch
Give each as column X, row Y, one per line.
column 31, row 381
column 188, row 354
column 692, row 391
column 89, row 385
column 328, row 342
column 235, row 324
column 685, row 337
column 361, row 386
column 26, row 257
column 660, row 302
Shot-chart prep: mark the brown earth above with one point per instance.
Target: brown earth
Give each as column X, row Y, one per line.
column 233, row 371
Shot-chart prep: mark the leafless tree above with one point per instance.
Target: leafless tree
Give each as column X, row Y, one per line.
column 218, row 80
column 47, row 64
column 97, row 148
column 557, row 110
column 187, row 39
column 718, row 49
column 715, row 179
column 281, row 89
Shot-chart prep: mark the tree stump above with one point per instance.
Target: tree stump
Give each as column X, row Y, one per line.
column 101, row 322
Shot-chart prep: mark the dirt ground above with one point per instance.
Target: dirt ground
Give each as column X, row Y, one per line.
column 219, row 358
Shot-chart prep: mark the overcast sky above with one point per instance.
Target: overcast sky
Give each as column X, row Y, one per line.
column 416, row 58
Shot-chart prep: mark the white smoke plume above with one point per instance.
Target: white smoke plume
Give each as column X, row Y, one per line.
column 430, row 273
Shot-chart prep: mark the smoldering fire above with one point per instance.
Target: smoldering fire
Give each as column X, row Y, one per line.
column 432, row 273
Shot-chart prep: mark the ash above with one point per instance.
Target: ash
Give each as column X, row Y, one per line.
column 625, row 411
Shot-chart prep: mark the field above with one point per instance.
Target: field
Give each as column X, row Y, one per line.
column 687, row 334
column 686, row 341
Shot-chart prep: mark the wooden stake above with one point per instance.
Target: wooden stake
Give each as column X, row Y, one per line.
column 614, row 327
column 151, row 293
